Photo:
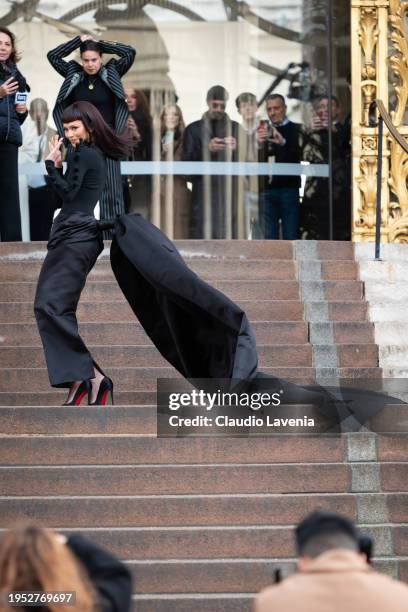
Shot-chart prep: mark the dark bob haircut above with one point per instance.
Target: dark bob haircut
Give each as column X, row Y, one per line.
column 101, row 134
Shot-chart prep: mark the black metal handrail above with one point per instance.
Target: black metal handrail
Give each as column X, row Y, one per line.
column 384, row 117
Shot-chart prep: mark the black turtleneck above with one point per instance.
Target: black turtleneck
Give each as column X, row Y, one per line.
column 100, row 96
column 82, row 185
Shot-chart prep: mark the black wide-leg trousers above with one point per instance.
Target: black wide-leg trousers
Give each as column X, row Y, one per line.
column 10, row 218
column 61, row 281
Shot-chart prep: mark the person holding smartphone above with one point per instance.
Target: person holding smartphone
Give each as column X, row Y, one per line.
column 315, row 210
column 13, row 112
column 280, row 141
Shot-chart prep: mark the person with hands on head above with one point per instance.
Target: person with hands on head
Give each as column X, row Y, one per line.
column 100, row 84
column 12, row 115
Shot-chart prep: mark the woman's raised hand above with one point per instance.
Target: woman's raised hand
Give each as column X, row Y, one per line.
column 9, row 87
column 55, row 150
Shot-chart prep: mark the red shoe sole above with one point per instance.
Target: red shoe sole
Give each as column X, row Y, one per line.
column 80, row 398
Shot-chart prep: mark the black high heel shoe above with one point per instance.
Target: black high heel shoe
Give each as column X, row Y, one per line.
column 85, row 388
column 105, row 392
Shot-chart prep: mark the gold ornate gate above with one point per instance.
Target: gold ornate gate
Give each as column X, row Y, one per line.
column 379, row 70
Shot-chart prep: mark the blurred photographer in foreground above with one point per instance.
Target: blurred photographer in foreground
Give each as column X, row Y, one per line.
column 333, row 574
column 37, row 559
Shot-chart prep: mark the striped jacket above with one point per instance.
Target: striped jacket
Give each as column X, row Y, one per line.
column 111, row 74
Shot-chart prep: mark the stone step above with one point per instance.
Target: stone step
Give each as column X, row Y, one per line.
column 322, row 311
column 255, row 249
column 56, row 397
column 144, row 379
column 141, row 420
column 61, row 420
column 260, row 310
column 383, row 271
column 393, row 355
column 256, row 310
column 267, row 332
column 331, row 250
column 395, row 372
column 223, row 542
column 383, row 292
column 391, row 419
column 214, row 576
column 391, row 333
column 104, row 449
column 332, row 291
column 388, row 311
column 207, row 269
column 392, row 447
column 395, row 478
column 97, row 290
column 294, row 332
column 285, row 355
column 202, row 602
column 102, row 291
column 177, row 480
column 389, row 252
column 328, row 270
column 35, row 380
column 328, row 332
column 171, row 511
column 246, row 575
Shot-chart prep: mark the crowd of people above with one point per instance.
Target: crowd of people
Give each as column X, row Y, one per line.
column 334, row 572
column 193, row 205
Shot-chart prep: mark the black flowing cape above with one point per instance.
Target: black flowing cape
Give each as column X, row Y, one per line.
column 203, row 334
column 196, row 328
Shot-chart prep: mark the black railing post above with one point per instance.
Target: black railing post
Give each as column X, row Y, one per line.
column 379, row 186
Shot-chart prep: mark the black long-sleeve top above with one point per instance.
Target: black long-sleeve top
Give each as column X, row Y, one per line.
column 82, row 185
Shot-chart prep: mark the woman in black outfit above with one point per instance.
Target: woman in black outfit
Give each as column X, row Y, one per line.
column 73, row 248
column 200, row 332
column 100, row 85
column 12, row 115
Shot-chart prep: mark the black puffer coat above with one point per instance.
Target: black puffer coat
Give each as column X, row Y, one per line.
column 10, row 120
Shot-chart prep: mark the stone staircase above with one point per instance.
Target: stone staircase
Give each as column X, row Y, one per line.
column 202, row 522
